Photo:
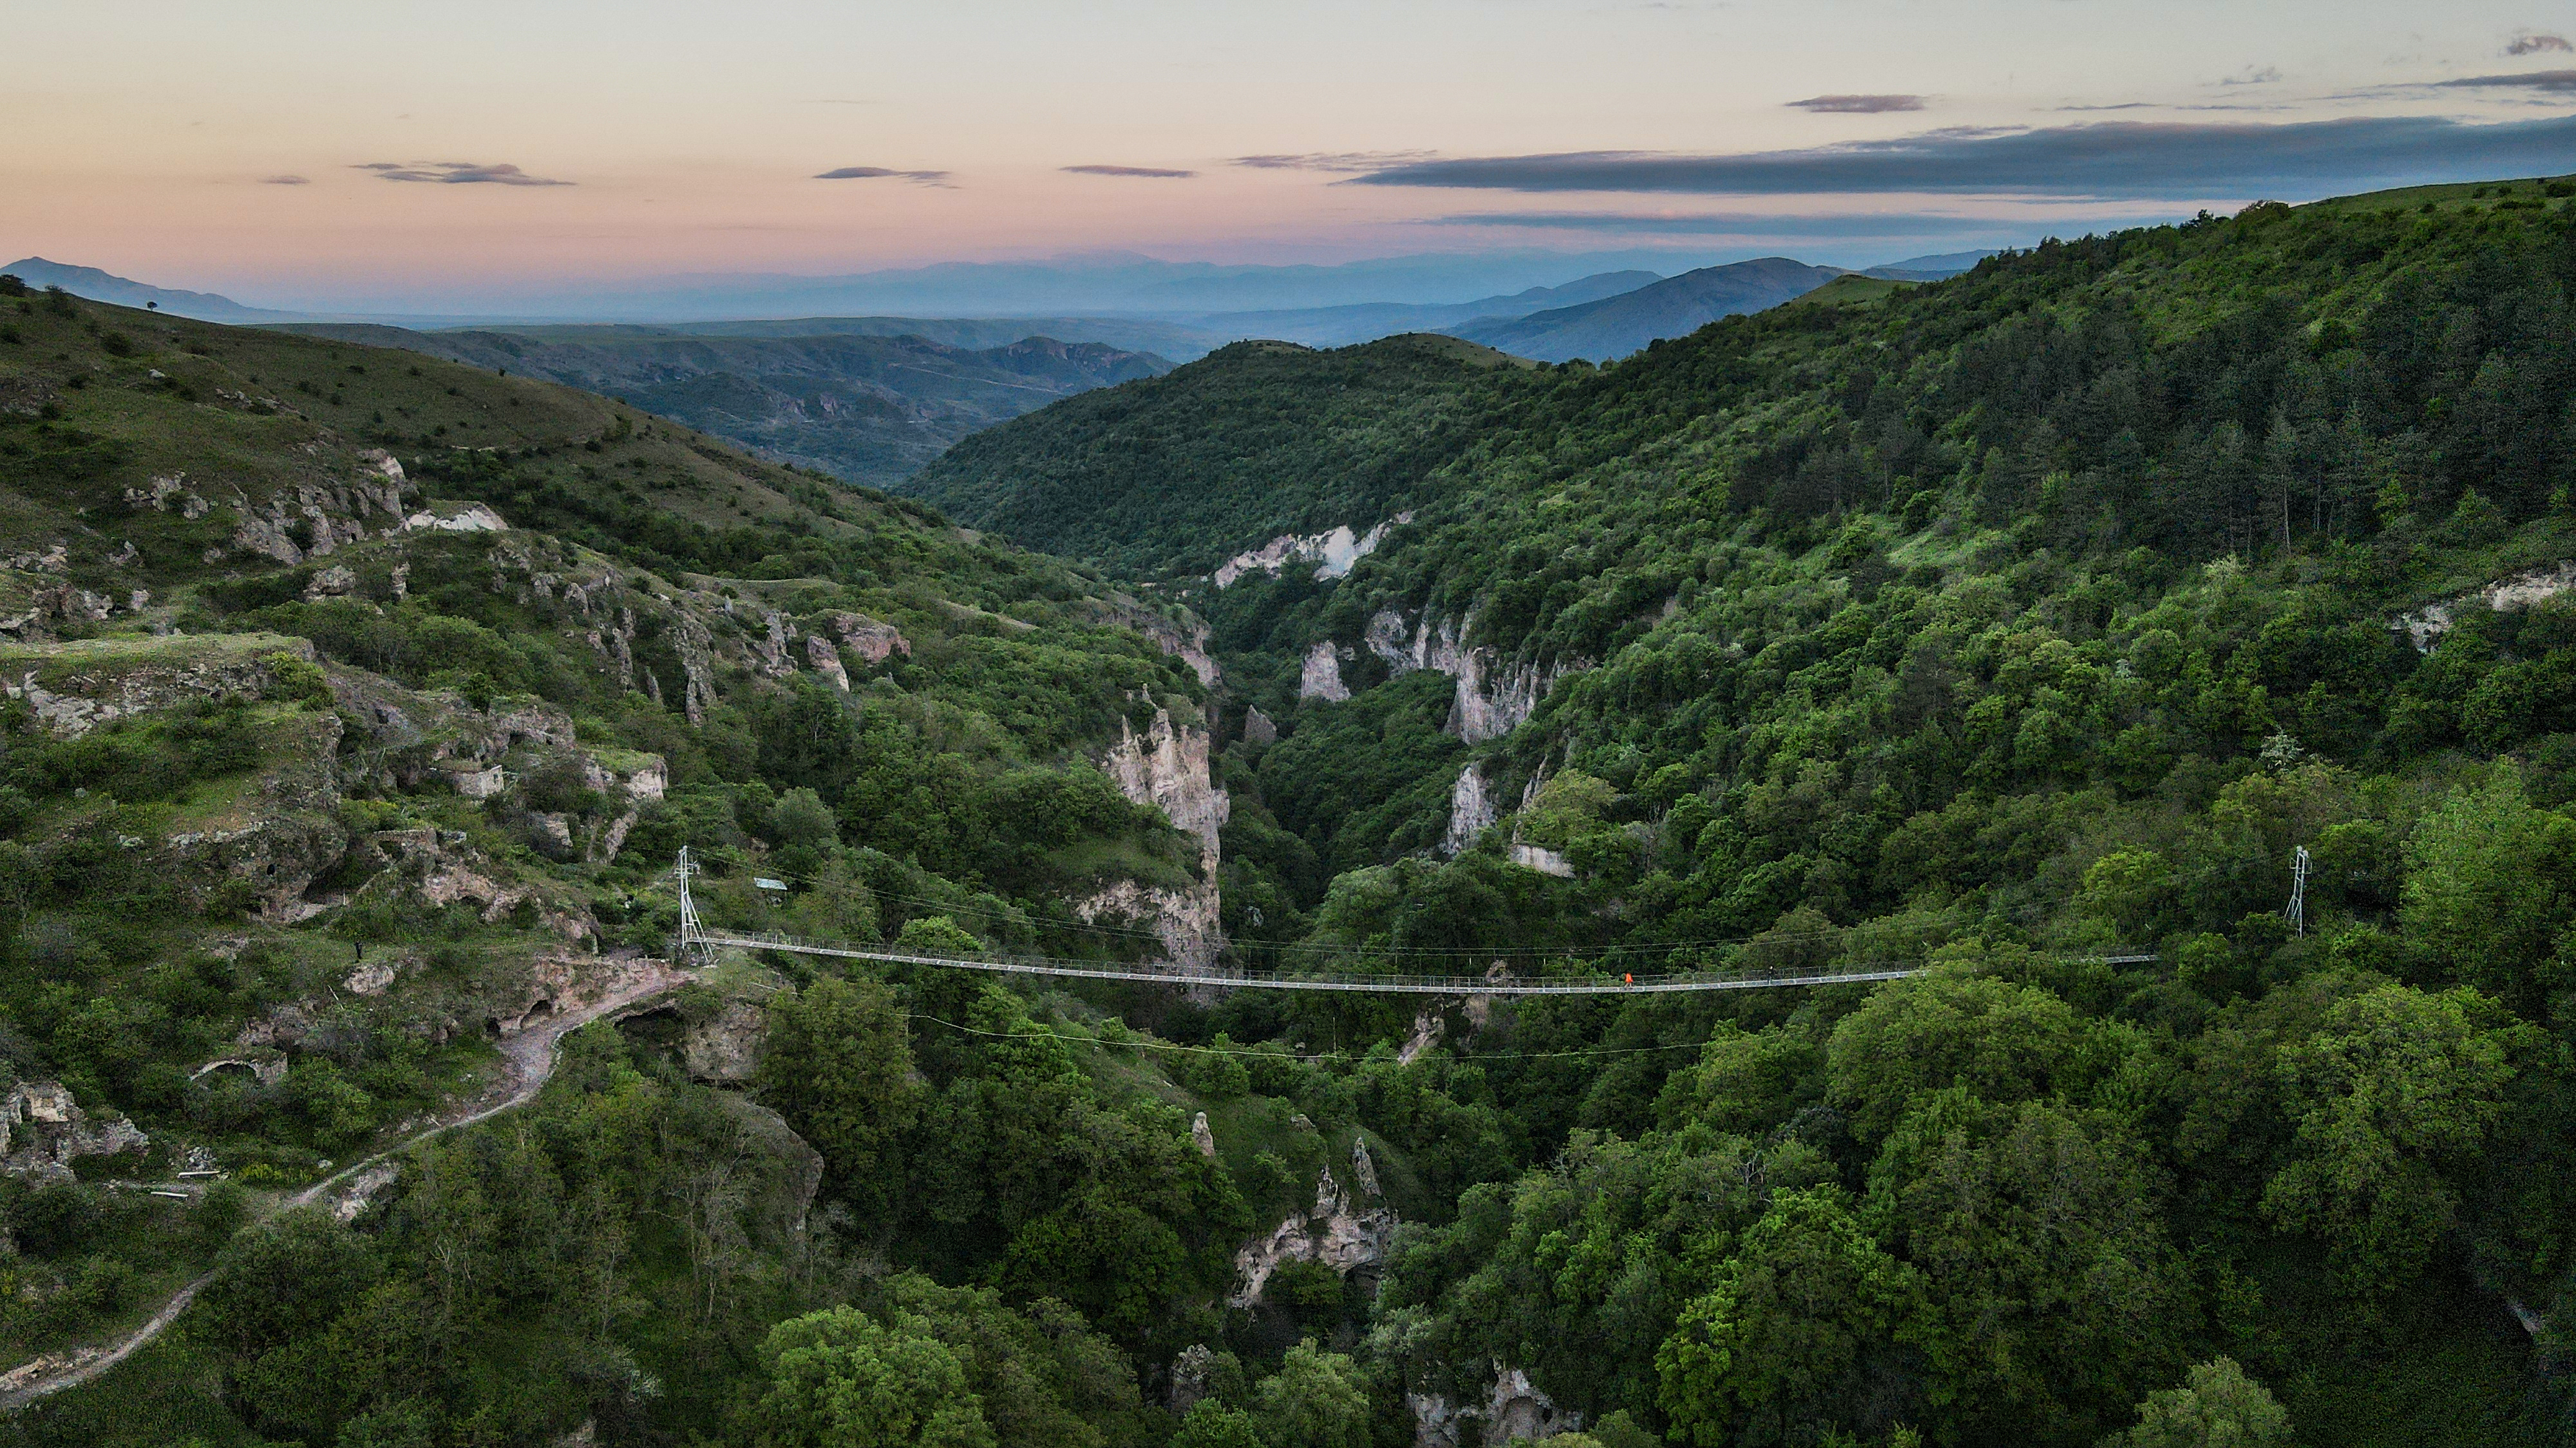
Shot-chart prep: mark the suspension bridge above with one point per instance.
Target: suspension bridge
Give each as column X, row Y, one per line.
column 698, row 945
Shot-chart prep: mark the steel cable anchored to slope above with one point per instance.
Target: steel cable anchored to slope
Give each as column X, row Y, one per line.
column 1630, row 984
column 698, row 942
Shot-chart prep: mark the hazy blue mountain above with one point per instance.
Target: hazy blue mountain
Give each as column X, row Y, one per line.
column 100, row 286
column 1928, row 268
column 1613, row 327
column 1368, row 321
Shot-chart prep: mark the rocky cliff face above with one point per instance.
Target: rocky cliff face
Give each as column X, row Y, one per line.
column 1167, row 767
column 1494, row 697
column 1471, row 809
column 41, row 1131
column 1343, row 1231
column 1513, row 1411
column 2425, row 627
column 74, row 688
column 1333, row 553
column 1321, row 676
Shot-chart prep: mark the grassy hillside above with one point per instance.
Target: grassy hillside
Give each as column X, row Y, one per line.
column 1254, row 440
column 357, row 704
column 867, row 409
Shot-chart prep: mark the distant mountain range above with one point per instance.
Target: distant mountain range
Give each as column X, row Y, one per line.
column 873, row 398
column 871, row 409
column 100, row 286
column 1614, row 326
column 1368, row 321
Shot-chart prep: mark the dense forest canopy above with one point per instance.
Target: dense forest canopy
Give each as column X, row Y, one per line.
column 2046, row 632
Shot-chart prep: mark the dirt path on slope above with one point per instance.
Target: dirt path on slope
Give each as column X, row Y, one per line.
column 527, row 1059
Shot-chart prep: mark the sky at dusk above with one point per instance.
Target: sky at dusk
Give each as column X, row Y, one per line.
column 464, row 155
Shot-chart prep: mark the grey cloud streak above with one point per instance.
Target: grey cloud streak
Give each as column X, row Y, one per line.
column 455, row 173
column 1858, row 105
column 2116, row 159
column 1353, row 161
column 877, row 173
column 2546, row 80
column 1155, row 173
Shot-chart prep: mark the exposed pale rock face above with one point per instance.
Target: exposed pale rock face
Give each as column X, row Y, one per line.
column 86, row 698
column 336, row 581
column 726, row 1049
column 1493, row 698
column 1167, row 766
column 1188, row 644
column 42, row 1130
column 1201, row 1136
column 873, row 641
column 827, row 661
column 2425, row 627
column 314, row 519
column 1189, row 1377
column 1541, row 859
column 352, row 1196
column 473, row 518
column 371, row 978
column 1471, row 809
column 697, row 650
column 1513, row 1411
column 1321, row 677
column 1427, row 1030
column 1185, row 921
column 775, row 661
column 1333, row 553
column 1339, row 1232
column 1258, row 728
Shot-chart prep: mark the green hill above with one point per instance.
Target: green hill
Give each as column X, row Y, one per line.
column 2029, row 624
column 357, row 705
column 867, row 409
column 1252, row 441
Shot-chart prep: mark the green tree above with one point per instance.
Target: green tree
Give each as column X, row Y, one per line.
column 800, row 819
column 1317, row 1399
column 2006, row 1042
column 2216, row 1407
column 2396, row 1086
column 2491, row 883
column 1211, row 1424
column 837, row 1063
column 286, row 1278
column 840, row 1379
column 2045, row 1261
column 1798, row 1335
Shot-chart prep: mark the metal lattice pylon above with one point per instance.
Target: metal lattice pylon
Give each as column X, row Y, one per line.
column 2297, row 910
column 694, row 949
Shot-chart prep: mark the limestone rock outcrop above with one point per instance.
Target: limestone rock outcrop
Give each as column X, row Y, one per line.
column 2424, row 628
column 42, row 1130
column 1334, row 553
column 1167, row 767
column 1321, row 675
column 1494, row 697
column 1341, row 1231
column 725, row 1049
column 1471, row 809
